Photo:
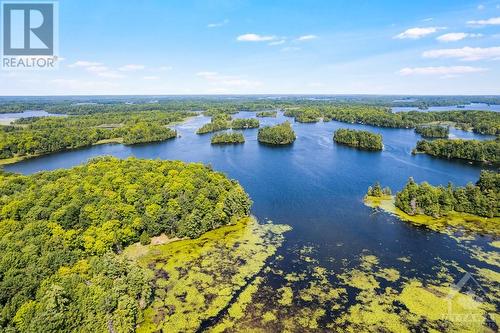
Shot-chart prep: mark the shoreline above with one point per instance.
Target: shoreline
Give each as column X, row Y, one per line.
column 456, row 221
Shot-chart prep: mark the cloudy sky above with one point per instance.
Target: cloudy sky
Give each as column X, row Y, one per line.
column 271, row 46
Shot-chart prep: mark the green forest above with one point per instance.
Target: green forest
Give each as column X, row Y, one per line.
column 245, row 123
column 487, row 151
column 281, row 134
column 38, row 136
column 482, row 198
column 432, row 131
column 227, row 138
column 62, row 232
column 263, row 114
column 358, row 139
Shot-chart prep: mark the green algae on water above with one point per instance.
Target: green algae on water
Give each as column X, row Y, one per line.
column 451, row 222
column 196, row 279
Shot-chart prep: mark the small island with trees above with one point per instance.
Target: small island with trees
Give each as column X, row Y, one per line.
column 474, row 207
column 228, row 138
column 433, row 131
column 358, row 139
column 263, row 114
column 245, row 123
column 281, row 134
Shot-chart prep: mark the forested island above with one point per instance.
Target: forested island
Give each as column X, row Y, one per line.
column 487, row 151
column 37, row 136
column 446, row 205
column 245, row 123
column 281, row 134
column 63, row 231
column 432, row 131
column 358, row 139
column 223, row 121
column 219, row 121
column 263, row 114
column 227, row 138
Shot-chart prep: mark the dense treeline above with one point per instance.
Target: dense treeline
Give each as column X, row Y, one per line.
column 263, row 114
column 305, row 115
column 144, row 132
column 471, row 150
column 281, row 134
column 61, row 230
column 481, row 199
column 358, row 139
column 35, row 136
column 245, row 123
column 223, row 121
column 483, row 122
column 228, row 138
column 433, row 131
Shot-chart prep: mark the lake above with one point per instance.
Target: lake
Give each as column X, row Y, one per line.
column 317, row 188
column 7, row 118
column 471, row 106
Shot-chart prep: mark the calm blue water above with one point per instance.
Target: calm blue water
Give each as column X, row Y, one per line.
column 472, row 106
column 6, row 118
column 315, row 186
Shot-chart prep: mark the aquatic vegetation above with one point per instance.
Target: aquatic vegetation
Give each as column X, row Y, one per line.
column 196, row 279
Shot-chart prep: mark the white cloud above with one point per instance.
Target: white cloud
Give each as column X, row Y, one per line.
column 490, row 21
column 290, row 49
column 151, row 78
column 207, row 74
column 218, row 24
column 97, row 69
column 83, row 63
column 131, row 67
column 278, row 42
column 456, row 36
column 111, row 75
column 480, row 7
column 165, row 68
column 441, row 70
column 254, row 38
column 416, row 33
column 465, row 53
column 306, row 38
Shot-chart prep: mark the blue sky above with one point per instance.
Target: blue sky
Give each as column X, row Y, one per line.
column 280, row 47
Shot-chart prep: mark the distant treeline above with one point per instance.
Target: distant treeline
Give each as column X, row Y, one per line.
column 471, row 150
column 358, row 139
column 432, row 131
column 93, row 104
